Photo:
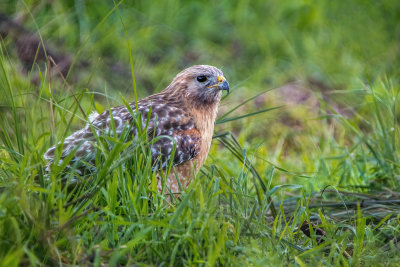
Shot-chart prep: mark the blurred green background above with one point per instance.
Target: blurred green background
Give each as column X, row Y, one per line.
column 259, row 44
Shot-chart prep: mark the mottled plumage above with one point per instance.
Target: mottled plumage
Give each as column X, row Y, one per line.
column 185, row 111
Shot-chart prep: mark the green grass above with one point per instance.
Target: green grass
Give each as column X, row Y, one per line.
column 328, row 155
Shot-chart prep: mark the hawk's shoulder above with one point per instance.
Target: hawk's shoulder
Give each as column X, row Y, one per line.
column 171, row 126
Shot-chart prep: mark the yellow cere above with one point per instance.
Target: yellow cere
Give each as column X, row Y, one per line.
column 221, row 79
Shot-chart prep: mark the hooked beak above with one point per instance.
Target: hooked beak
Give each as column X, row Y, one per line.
column 222, row 84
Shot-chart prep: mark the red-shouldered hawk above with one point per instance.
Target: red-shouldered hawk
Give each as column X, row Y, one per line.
column 185, row 111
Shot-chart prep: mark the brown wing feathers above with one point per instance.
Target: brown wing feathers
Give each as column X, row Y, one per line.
column 164, row 121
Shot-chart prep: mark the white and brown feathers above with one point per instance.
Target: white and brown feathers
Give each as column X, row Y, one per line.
column 185, row 111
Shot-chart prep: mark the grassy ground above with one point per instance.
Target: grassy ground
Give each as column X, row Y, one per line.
column 328, row 156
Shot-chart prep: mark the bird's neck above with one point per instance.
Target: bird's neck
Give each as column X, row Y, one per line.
column 203, row 113
column 204, row 120
column 204, row 116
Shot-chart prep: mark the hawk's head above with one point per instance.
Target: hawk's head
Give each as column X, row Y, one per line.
column 200, row 84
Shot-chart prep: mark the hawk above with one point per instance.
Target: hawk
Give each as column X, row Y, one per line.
column 185, row 112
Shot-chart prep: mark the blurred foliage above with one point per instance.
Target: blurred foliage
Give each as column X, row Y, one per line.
column 260, row 44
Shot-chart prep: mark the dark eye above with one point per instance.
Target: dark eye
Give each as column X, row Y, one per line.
column 202, row 78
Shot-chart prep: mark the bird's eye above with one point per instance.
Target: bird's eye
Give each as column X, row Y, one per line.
column 201, row 78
